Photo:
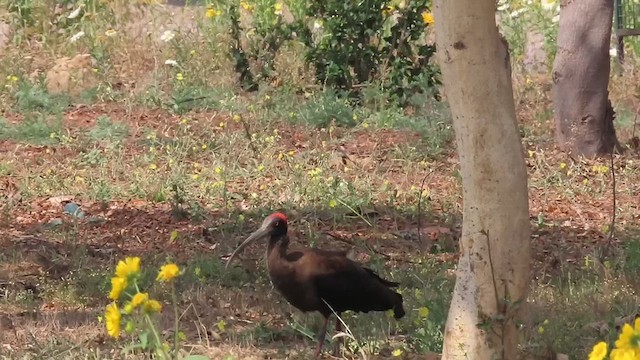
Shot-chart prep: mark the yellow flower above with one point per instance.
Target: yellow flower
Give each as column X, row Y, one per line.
column 563, row 165
column 630, row 337
column 179, row 77
column 618, row 354
column 333, row 203
column 397, row 352
column 211, row 13
column 427, row 18
column 112, row 320
column 118, row 284
column 129, row 267
column 277, row 11
column 168, row 272
column 599, row 351
column 600, row 169
column 110, row 33
column 245, row 5
column 152, row 306
column 139, row 299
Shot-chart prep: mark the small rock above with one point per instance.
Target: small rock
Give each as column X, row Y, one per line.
column 74, row 210
column 5, row 34
column 71, row 75
column 59, row 200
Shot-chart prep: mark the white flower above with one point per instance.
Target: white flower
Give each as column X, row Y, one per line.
column 167, row 36
column 74, row 14
column 503, row 5
column 317, row 25
column 613, row 52
column 514, row 14
column 77, row 36
column 171, row 62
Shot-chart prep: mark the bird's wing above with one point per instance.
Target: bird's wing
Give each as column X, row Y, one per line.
column 345, row 285
column 349, row 254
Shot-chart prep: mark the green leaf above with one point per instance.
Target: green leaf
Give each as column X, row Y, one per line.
column 173, row 236
column 144, row 339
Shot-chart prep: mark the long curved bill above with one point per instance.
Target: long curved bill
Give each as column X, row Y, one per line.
column 258, row 234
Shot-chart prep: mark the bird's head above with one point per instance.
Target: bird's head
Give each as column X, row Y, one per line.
column 274, row 225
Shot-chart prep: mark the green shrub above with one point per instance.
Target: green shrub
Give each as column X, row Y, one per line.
column 349, row 44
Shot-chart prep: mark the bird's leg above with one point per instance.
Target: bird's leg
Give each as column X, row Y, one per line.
column 321, row 336
column 340, row 339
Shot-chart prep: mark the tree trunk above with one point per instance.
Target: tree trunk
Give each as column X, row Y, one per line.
column 583, row 112
column 493, row 271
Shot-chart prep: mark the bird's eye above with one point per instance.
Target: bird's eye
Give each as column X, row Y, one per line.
column 277, row 224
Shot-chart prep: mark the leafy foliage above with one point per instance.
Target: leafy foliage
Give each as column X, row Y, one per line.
column 349, row 44
column 360, row 42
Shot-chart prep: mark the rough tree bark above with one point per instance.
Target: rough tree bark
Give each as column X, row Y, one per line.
column 493, row 270
column 582, row 109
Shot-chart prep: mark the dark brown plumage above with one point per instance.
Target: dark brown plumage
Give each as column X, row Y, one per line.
column 307, row 277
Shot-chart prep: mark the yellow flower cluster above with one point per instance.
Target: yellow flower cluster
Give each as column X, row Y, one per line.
column 212, row 12
column 125, row 271
column 168, row 272
column 600, row 169
column 627, row 345
column 427, row 18
column 245, row 5
column 126, row 276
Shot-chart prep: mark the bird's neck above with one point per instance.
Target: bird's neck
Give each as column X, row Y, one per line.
column 277, row 246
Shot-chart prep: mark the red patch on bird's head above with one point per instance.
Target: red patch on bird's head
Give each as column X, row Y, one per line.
column 278, row 215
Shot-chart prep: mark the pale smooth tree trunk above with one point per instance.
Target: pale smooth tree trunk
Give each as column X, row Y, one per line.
column 582, row 109
column 493, row 270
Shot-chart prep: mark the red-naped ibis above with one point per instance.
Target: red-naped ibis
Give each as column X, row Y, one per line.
column 307, row 277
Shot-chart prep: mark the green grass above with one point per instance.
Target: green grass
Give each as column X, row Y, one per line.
column 39, row 131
